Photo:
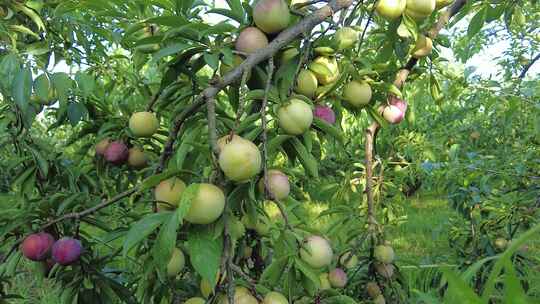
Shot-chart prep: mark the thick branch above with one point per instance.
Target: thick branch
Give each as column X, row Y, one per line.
column 528, row 66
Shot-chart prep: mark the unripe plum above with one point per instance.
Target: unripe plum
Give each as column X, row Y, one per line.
column 240, row 160
column 391, row 9
column 271, row 16
column 66, row 251
column 331, row 72
column 143, row 124
column 137, row 158
column 337, row 278
column 37, row 246
column 384, row 254
column 207, row 205
column 325, row 113
column 501, row 243
column 442, row 3
column 222, row 141
column 169, row 191
column 277, row 184
column 379, row 300
column 357, row 93
column 250, row 40
column 392, row 114
column 420, row 9
column 116, row 153
column 316, row 251
column 345, row 37
column 423, row 47
column 295, row 117
column 241, row 296
column 373, row 290
column 176, row 263
column 195, row 300
column 101, row 146
column 348, row 261
column 274, row 297
column 475, row 135
column 306, row 83
column 325, row 282
column 385, row 270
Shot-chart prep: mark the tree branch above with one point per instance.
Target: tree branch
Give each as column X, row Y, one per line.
column 528, row 66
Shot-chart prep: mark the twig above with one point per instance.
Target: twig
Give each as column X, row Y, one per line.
column 251, row 282
column 367, row 25
column 528, row 67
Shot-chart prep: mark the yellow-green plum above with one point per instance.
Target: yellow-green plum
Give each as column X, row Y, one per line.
column 143, row 124
column 101, row 146
column 391, row 9
column 384, row 254
column 250, row 40
column 271, row 16
column 357, row 93
column 423, row 47
column 240, row 160
column 337, row 278
column 316, row 251
column 306, row 83
column 295, row 116
column 348, row 261
column 326, row 69
column 277, row 184
column 345, row 37
column 195, row 300
column 324, row 282
column 241, row 296
column 207, row 205
column 137, row 158
column 385, row 270
column 373, row 290
column 169, row 192
column 274, row 297
column 176, row 263
column 420, row 9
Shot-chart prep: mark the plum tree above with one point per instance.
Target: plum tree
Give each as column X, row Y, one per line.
column 176, row 263
column 168, row 193
column 143, row 124
column 316, row 251
column 271, row 16
column 207, row 205
column 250, row 40
column 357, row 93
column 295, row 116
column 423, row 47
column 101, row 146
column 277, row 184
column 325, row 113
column 66, row 251
column 384, row 254
column 391, row 9
column 306, row 83
column 274, row 297
column 326, row 69
column 37, row 246
column 240, row 160
column 420, row 9
column 137, row 158
column 337, row 278
column 116, row 153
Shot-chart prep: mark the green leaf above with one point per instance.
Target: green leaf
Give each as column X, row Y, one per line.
column 42, row 85
column 212, row 60
column 62, row 84
column 76, row 111
column 513, row 291
column 274, row 271
column 477, row 22
column 309, row 272
column 308, row 161
column 165, row 242
column 141, row 229
column 458, row 290
column 329, row 129
column 8, row 67
column 170, row 50
column 186, row 199
column 22, row 88
column 205, row 252
column 86, row 83
column 276, row 142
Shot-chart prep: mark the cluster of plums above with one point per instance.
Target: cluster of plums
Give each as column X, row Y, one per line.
column 42, row 247
column 141, row 124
